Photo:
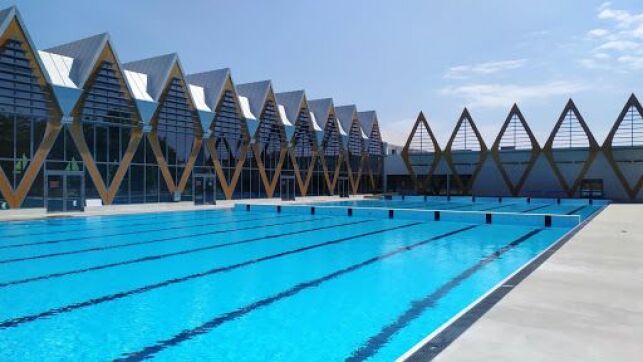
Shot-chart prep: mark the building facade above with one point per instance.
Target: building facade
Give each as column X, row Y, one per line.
column 570, row 164
column 78, row 125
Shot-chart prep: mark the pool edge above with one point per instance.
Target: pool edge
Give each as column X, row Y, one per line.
column 437, row 341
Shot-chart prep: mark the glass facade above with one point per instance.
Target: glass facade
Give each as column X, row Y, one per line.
column 375, row 152
column 332, row 149
column 228, row 140
column 121, row 164
column 25, row 108
column 177, row 128
column 108, row 118
column 355, row 149
column 269, row 139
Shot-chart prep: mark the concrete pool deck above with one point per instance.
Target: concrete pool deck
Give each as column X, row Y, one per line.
column 584, row 303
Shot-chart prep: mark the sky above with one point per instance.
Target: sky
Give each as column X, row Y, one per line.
column 398, row 58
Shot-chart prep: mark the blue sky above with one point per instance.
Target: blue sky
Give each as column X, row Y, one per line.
column 395, row 57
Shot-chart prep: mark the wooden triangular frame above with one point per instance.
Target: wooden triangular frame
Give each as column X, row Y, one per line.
column 534, row 152
column 76, row 130
column 154, row 140
column 422, row 183
column 632, row 190
column 304, row 182
column 331, row 180
column 355, row 178
column 593, row 149
column 380, row 161
column 482, row 154
column 270, row 184
column 16, row 197
column 228, row 187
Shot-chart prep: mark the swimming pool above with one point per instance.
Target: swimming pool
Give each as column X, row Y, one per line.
column 521, row 205
column 244, row 285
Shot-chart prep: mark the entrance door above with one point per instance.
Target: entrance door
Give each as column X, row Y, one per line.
column 64, row 191
column 205, row 189
column 287, row 185
column 342, row 187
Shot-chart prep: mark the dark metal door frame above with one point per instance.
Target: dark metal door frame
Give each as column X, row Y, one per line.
column 343, row 186
column 64, row 175
column 205, row 177
column 287, row 187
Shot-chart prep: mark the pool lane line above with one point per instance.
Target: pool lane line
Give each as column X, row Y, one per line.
column 102, row 225
column 178, row 227
column 49, row 221
column 536, row 208
column 14, row 322
column 151, row 241
column 419, row 306
column 176, row 253
column 187, row 334
column 458, row 207
column 495, row 207
column 573, row 212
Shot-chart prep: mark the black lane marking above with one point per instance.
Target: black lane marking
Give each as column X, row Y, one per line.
column 188, row 334
column 109, row 226
column 108, row 298
column 535, row 208
column 108, row 219
column 183, row 226
column 495, row 207
column 411, row 204
column 152, row 241
column 177, row 253
column 458, row 207
column 66, row 231
column 419, row 306
column 573, row 212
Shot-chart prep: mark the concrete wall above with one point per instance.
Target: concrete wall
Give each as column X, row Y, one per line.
column 542, row 181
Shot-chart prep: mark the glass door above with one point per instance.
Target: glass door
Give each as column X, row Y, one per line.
column 205, row 190
column 74, row 193
column 64, row 191
column 54, row 199
column 342, row 187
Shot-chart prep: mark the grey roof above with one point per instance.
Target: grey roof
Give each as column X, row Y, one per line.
column 292, row 102
column 346, row 115
column 321, row 108
column 257, row 94
column 85, row 53
column 367, row 120
column 213, row 82
column 157, row 69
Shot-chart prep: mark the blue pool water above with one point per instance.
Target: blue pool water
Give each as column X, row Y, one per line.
column 243, row 286
column 520, row 206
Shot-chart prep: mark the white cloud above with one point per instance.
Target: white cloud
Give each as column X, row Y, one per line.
column 619, row 43
column 598, row 33
column 465, row 71
column 503, row 95
column 632, row 61
column 638, row 32
column 396, row 132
